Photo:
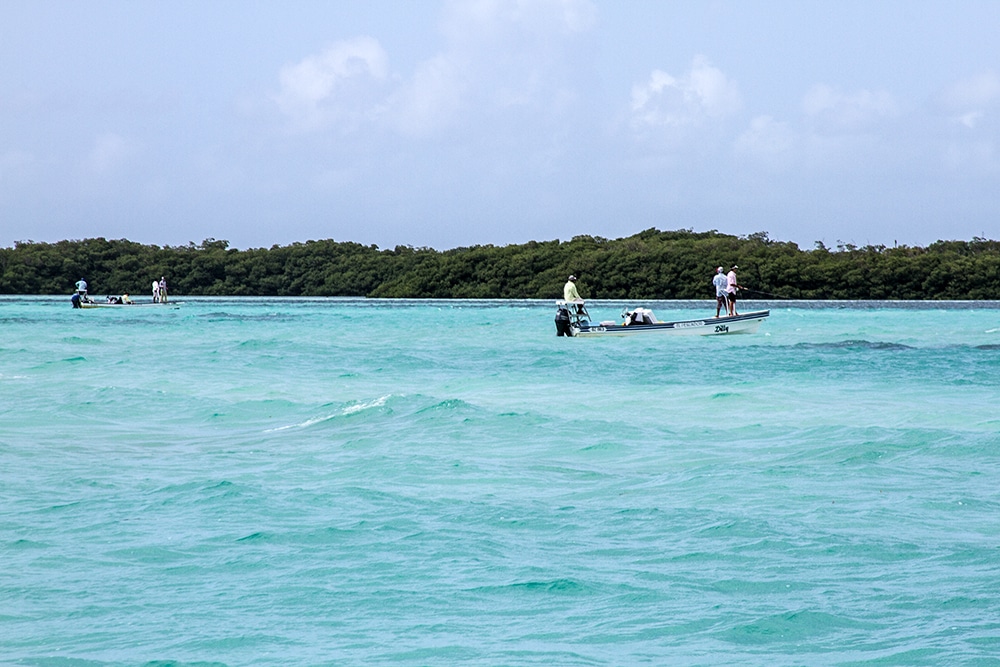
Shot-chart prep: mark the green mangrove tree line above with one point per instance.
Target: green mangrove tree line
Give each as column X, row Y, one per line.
column 652, row 264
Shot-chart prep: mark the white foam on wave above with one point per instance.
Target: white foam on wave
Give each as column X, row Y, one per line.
column 305, row 424
column 349, row 410
column 377, row 403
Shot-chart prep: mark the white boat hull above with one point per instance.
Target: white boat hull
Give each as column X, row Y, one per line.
column 709, row 326
column 102, row 304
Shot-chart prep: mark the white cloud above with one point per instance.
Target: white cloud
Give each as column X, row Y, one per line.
column 704, row 92
column 497, row 54
column 970, row 119
column 514, row 53
column 333, row 84
column 832, row 110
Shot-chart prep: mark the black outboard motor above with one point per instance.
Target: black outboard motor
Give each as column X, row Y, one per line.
column 562, row 322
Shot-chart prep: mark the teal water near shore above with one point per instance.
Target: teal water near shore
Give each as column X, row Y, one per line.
column 359, row 482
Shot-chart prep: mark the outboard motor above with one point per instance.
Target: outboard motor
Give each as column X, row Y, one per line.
column 562, row 322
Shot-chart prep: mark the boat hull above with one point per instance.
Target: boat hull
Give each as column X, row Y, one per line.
column 709, row 326
column 98, row 304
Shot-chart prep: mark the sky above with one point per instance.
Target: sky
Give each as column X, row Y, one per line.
column 456, row 123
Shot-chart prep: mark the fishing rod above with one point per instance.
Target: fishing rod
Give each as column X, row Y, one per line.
column 757, row 291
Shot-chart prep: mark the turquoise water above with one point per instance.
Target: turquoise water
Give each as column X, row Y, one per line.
column 352, row 482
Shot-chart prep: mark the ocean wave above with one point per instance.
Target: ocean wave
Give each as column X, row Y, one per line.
column 790, row 627
column 359, row 407
column 68, row 360
column 222, row 316
column 558, row 586
column 352, row 409
column 451, row 404
column 855, row 344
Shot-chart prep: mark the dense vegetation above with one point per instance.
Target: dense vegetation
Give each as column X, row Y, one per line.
column 651, row 264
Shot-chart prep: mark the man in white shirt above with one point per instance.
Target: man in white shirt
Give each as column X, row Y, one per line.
column 721, row 282
column 731, row 287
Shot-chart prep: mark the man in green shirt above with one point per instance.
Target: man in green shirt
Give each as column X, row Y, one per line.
column 570, row 292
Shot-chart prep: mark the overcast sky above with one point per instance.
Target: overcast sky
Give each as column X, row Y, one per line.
column 455, row 123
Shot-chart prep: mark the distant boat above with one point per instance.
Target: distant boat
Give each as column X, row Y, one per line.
column 134, row 304
column 572, row 319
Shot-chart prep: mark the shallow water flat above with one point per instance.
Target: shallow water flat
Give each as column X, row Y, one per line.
column 349, row 481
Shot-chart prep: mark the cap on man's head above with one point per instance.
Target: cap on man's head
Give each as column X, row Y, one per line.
column 572, row 277
column 735, row 267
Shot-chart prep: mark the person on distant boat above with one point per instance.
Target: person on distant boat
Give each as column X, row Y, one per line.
column 721, row 282
column 76, row 300
column 156, row 290
column 163, row 289
column 570, row 293
column 81, row 288
column 125, row 299
column 731, row 287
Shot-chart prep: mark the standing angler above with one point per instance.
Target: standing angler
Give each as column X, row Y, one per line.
column 570, row 293
column 81, row 289
column 731, row 287
column 721, row 282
